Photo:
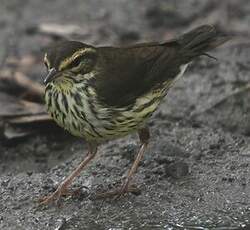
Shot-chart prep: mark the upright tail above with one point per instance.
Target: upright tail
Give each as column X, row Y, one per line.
column 199, row 41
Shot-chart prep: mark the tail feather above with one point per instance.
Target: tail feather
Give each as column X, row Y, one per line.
column 200, row 40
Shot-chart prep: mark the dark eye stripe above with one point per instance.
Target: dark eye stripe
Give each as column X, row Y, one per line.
column 86, row 57
column 75, row 62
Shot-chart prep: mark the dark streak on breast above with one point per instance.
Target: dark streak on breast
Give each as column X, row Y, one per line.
column 147, row 114
column 108, row 128
column 56, row 101
column 48, row 87
column 94, row 130
column 63, row 118
column 77, row 98
column 93, row 110
column 49, row 99
column 74, row 125
column 83, row 116
column 65, row 103
column 89, row 133
column 141, row 108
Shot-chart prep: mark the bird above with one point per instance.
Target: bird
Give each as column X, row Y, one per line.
column 106, row 92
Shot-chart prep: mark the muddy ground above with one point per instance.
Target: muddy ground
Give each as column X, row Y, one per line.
column 195, row 174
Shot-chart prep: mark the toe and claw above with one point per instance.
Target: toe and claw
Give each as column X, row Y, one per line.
column 55, row 197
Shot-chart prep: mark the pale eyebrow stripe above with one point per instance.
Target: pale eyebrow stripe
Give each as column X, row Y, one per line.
column 78, row 53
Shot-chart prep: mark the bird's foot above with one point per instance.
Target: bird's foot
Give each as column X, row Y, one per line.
column 62, row 190
column 123, row 190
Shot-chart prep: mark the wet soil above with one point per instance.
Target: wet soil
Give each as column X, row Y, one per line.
column 195, row 174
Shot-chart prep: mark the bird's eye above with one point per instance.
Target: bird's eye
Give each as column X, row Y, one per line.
column 75, row 62
column 83, row 63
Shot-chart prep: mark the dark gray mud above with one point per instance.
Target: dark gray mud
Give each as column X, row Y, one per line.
column 195, row 174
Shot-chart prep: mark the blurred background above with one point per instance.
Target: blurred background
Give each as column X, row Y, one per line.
column 196, row 172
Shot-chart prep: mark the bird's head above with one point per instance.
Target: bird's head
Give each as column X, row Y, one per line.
column 69, row 59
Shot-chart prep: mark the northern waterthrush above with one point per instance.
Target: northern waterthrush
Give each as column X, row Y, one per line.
column 101, row 93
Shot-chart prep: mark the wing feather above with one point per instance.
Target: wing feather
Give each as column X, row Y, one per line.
column 128, row 73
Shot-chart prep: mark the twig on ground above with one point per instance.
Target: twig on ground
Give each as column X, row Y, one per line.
column 20, row 80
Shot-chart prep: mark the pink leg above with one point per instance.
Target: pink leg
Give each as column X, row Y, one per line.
column 62, row 188
column 144, row 138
